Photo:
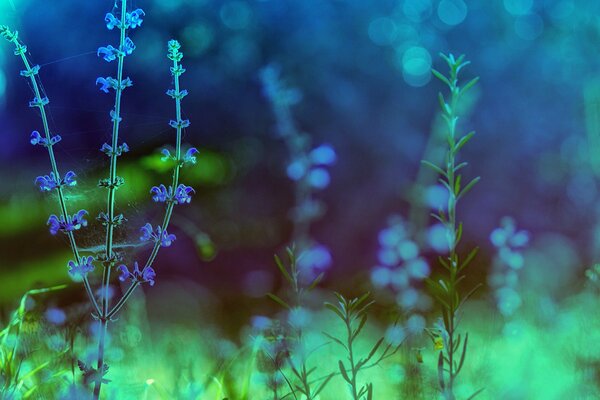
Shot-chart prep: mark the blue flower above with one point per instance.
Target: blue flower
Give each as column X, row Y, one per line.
column 106, row 83
column 150, row 235
column 148, row 274
column 180, row 123
column 49, row 182
column 72, row 223
column 323, row 155
column 313, row 261
column 318, row 178
column 46, row 182
column 297, row 170
column 177, row 95
column 36, row 138
column 38, row 102
column 182, row 194
column 160, row 193
column 112, row 21
column 134, row 18
column 109, row 53
column 128, row 46
column 30, row 72
column 189, row 156
column 113, row 116
column 108, row 150
column 82, row 268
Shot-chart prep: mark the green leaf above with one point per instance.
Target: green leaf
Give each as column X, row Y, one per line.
column 283, row 270
column 279, row 301
column 469, row 187
column 335, row 310
column 361, row 325
column 433, row 167
column 469, row 85
column 471, row 397
column 440, row 76
column 441, row 371
column 343, row 371
column 316, row 281
column 373, row 350
column 463, row 354
column 464, row 140
column 469, row 258
column 323, row 384
column 338, row 341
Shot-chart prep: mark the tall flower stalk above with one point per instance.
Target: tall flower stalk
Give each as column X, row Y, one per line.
column 176, row 193
column 307, row 168
column 451, row 344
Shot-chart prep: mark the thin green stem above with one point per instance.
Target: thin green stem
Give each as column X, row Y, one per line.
column 61, row 197
column 170, row 205
column 109, row 259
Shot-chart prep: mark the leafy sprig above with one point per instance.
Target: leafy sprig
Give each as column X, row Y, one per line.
column 354, row 313
column 451, row 344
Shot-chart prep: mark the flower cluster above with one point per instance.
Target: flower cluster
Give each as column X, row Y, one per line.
column 132, row 19
column 156, row 235
column 312, row 261
column 181, row 195
column 504, row 279
column 188, row 158
column 110, row 53
column 81, row 268
column 49, row 182
column 37, row 139
column 146, row 275
column 72, row 223
column 402, row 270
column 112, row 83
column 311, row 167
column 108, row 150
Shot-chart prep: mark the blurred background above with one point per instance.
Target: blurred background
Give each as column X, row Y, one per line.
column 363, row 71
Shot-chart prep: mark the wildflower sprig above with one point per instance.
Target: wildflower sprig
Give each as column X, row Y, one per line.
column 64, row 222
column 307, row 168
column 298, row 316
column 113, row 182
column 180, row 195
column 446, row 290
column 353, row 313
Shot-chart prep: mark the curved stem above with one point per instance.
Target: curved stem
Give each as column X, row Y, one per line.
column 61, row 197
column 170, row 205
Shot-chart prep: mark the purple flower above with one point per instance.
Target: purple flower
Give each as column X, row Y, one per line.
column 319, row 178
column 128, row 46
column 111, row 21
column 180, row 123
column 38, row 102
column 134, row 18
column 82, row 268
column 177, row 95
column 189, row 156
column 46, row 182
column 108, row 150
column 150, row 235
column 49, row 182
column 323, row 155
column 72, row 223
column 160, row 193
column 147, row 275
column 109, row 53
column 106, row 83
column 182, row 194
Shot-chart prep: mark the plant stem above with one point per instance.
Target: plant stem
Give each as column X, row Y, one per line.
column 111, row 206
column 170, row 205
column 61, row 197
